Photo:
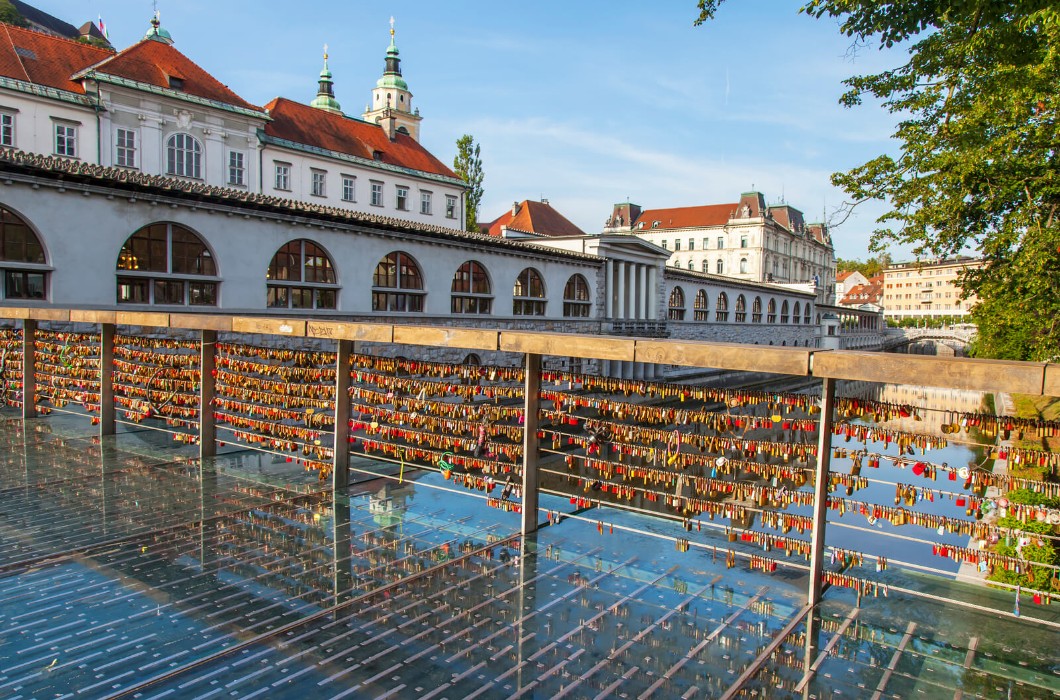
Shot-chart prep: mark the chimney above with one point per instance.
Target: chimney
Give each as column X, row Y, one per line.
column 515, row 208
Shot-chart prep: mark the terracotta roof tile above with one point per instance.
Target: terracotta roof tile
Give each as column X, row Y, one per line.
column 310, row 126
column 44, row 59
column 686, row 217
column 154, row 62
column 535, row 217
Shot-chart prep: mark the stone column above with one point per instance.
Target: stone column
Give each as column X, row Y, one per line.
column 620, row 288
column 609, row 296
column 653, row 291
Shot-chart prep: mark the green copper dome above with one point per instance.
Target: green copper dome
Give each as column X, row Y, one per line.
column 325, row 98
column 156, row 33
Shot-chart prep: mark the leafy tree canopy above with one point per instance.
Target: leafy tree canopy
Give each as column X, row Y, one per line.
column 10, row 15
column 468, row 166
column 977, row 166
column 870, row 268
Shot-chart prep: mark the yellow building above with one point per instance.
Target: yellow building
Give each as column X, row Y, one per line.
column 926, row 290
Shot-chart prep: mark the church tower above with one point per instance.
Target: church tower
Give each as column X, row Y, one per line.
column 391, row 105
column 325, row 98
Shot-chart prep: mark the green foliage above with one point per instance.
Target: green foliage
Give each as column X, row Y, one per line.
column 870, row 268
column 978, row 165
column 96, row 41
column 10, row 15
column 468, row 166
column 1032, row 498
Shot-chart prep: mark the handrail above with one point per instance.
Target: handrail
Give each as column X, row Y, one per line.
column 1034, row 378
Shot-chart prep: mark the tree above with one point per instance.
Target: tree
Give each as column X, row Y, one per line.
column 11, row 15
column 979, row 143
column 468, row 166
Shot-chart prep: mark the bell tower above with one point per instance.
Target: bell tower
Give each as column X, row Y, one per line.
column 391, row 105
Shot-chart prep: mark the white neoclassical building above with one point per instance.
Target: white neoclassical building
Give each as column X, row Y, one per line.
column 747, row 240
column 150, row 109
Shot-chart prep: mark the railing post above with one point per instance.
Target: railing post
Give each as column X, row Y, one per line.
column 820, row 491
column 340, row 468
column 29, row 377
column 106, row 379
column 207, row 389
column 531, row 405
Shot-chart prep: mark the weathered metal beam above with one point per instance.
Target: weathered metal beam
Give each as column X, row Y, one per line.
column 531, row 406
column 820, row 491
column 106, row 379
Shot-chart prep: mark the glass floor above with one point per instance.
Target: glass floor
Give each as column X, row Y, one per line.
column 127, row 569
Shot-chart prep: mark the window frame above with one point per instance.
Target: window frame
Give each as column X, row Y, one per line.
column 376, row 193
column 574, row 304
column 318, row 182
column 125, row 155
column 32, row 262
column 8, row 132
column 426, row 203
column 195, row 151
column 450, row 206
column 401, row 197
column 237, row 172
column 153, row 281
column 527, row 303
column 469, row 301
column 69, row 139
column 721, row 308
column 676, row 304
column 701, row 306
column 398, row 298
column 283, row 292
column 349, row 188
column 281, row 180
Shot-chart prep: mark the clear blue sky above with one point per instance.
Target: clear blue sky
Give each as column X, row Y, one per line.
column 582, row 103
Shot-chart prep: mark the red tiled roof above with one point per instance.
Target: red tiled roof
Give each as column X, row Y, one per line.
column 44, row 59
column 686, row 217
column 843, row 275
column 154, row 62
column 535, row 217
column 863, row 294
column 310, row 126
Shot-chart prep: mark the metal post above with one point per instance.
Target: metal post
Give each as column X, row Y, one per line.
column 820, row 493
column 106, row 379
column 340, row 470
column 207, row 388
column 531, row 405
column 342, row 572
column 29, row 377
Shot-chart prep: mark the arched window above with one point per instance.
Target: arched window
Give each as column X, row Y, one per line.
column 706, row 265
column 756, row 310
column 700, row 306
column 21, row 258
column 677, row 304
column 301, row 276
column 166, row 264
column 720, row 267
column 771, row 311
column 691, row 264
column 796, row 313
column 397, row 284
column 722, row 312
column 576, row 302
column 528, row 294
column 471, row 292
column 741, row 309
column 784, row 312
column 183, row 156
column 806, row 314
column 743, row 266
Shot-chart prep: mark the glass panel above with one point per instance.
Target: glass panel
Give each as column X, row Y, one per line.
column 286, row 265
column 301, row 298
column 317, row 265
column 132, row 291
column 190, row 255
column 326, row 298
column 18, row 243
column 169, row 292
column 277, row 298
column 202, row 293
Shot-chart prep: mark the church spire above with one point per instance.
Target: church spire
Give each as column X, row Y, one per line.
column 391, row 105
column 325, row 98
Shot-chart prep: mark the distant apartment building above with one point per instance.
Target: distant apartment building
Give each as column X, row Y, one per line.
column 926, row 289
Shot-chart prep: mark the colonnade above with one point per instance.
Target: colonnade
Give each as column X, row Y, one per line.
column 632, row 291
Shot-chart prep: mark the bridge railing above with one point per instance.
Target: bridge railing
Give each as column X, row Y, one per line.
column 772, row 463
